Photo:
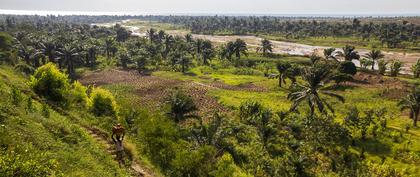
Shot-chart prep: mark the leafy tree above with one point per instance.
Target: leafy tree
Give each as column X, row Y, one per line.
column 348, row 67
column 266, row 47
column 374, row 55
column 315, row 79
column 412, row 102
column 181, row 106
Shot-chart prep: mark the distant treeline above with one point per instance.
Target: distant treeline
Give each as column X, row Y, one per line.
column 390, row 31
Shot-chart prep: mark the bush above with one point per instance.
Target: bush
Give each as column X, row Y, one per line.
column 78, row 94
column 348, row 67
column 382, row 66
column 50, row 83
column 395, row 67
column 102, row 103
column 225, row 167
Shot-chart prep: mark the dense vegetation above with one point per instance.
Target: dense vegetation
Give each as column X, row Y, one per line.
column 309, row 138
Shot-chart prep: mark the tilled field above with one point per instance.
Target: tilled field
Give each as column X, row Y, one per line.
column 153, row 90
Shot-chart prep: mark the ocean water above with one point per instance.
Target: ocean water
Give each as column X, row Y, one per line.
column 45, row 13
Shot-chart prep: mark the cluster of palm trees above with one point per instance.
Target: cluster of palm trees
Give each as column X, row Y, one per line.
column 388, row 33
column 237, row 48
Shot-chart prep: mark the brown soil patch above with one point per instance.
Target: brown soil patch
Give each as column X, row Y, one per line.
column 392, row 87
column 154, row 91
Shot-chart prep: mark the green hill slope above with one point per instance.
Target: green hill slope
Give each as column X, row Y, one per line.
column 35, row 140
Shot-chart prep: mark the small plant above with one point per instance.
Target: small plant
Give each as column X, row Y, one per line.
column 395, row 67
column 29, row 105
column 365, row 63
column 45, row 111
column 416, row 69
column 17, row 96
column 382, row 66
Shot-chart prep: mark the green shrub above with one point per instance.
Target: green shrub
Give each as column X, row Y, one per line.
column 382, row 66
column 395, row 67
column 348, row 67
column 50, row 83
column 225, row 167
column 102, row 103
column 78, row 94
column 16, row 96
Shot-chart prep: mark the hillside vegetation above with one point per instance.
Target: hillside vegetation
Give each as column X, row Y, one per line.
column 191, row 108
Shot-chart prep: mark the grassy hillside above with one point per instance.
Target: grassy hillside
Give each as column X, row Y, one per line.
column 35, row 140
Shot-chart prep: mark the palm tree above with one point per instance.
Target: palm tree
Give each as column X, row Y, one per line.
column 207, row 51
column 109, row 46
column 412, row 102
column 374, row 55
column 151, row 33
column 349, row 53
column 416, row 69
column 239, row 48
column 69, row 54
column 266, row 47
column 331, row 53
column 181, row 106
column 48, row 48
column 25, row 53
column 282, row 67
column 315, row 79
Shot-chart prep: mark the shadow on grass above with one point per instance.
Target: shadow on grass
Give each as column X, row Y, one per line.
column 339, row 87
column 190, row 74
column 373, row 146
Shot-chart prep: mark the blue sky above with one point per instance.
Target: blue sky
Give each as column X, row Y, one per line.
column 222, row 6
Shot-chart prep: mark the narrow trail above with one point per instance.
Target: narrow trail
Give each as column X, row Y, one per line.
column 102, row 139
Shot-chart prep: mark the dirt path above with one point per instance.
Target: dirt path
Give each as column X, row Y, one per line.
column 102, row 139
